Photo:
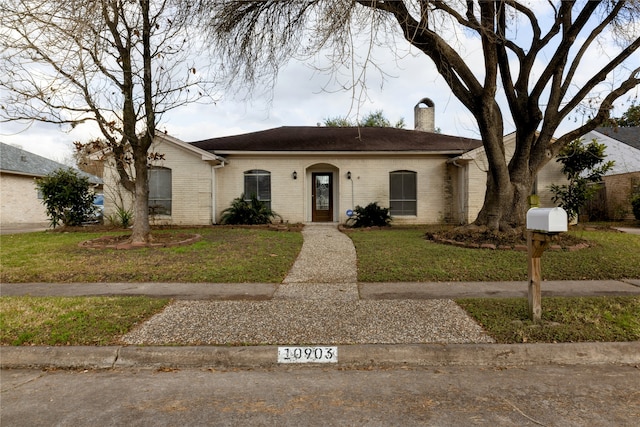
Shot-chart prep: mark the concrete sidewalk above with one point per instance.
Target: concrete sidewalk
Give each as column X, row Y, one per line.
column 362, row 291
column 323, row 284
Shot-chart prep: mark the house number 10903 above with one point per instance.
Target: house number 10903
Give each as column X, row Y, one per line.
column 307, row 354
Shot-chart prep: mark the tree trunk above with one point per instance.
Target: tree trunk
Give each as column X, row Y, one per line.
column 507, row 198
column 141, row 230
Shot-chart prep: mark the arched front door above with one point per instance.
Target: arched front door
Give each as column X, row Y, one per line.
column 322, row 197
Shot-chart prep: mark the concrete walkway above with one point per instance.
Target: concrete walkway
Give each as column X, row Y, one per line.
column 325, row 269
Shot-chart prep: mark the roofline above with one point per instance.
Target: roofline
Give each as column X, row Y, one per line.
column 204, row 154
column 609, row 137
column 335, row 153
column 12, row 172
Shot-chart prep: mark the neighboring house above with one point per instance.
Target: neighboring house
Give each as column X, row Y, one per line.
column 318, row 174
column 20, row 201
column 623, row 147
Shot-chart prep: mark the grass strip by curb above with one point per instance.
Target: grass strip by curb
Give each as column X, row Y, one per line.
column 72, row 321
column 564, row 319
column 103, row 320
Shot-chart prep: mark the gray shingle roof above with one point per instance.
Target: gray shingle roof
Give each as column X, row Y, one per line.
column 16, row 160
column 347, row 139
column 628, row 135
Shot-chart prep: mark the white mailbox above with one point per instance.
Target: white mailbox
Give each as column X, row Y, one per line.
column 549, row 220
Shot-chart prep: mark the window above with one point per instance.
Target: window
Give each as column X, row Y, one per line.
column 402, row 193
column 159, row 191
column 258, row 182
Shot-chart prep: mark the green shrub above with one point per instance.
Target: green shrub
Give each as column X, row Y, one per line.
column 635, row 204
column 67, row 197
column 371, row 215
column 122, row 217
column 248, row 212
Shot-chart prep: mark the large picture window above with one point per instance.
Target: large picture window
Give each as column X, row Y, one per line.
column 402, row 193
column 159, row 191
column 258, row 182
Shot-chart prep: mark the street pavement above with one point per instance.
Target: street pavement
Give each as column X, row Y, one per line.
column 524, row 396
column 325, row 240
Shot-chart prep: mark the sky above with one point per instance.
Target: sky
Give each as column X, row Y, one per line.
column 302, row 96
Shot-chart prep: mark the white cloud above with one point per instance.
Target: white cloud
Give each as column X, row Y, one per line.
column 304, row 96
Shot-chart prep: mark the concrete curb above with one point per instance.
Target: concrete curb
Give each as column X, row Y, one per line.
column 425, row 355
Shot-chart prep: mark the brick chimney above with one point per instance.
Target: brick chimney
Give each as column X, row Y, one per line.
column 424, row 116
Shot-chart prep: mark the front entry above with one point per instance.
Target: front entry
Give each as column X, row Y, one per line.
column 322, row 197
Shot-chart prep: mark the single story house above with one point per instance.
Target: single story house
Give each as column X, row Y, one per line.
column 623, row 147
column 20, row 200
column 320, row 174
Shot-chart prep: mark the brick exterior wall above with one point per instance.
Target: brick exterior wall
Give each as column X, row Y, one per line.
column 369, row 182
column 445, row 192
column 19, row 201
column 191, row 180
column 618, row 191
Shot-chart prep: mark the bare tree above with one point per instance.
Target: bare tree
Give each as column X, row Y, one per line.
column 535, row 57
column 118, row 63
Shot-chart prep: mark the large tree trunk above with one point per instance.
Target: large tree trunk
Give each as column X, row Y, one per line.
column 509, row 187
column 505, row 208
column 141, row 230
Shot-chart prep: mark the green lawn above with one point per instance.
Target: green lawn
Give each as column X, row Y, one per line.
column 563, row 319
column 72, row 321
column 233, row 255
column 103, row 320
column 389, row 255
column 260, row 255
column 223, row 255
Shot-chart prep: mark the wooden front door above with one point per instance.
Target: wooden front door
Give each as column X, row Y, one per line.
column 322, row 197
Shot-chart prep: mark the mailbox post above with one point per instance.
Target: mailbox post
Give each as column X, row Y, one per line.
column 543, row 224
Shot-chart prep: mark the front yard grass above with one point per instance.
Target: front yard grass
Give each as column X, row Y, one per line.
column 103, row 320
column 573, row 319
column 233, row 255
column 403, row 255
column 72, row 321
column 223, row 255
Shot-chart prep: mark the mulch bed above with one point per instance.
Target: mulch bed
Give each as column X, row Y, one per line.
column 157, row 241
column 482, row 238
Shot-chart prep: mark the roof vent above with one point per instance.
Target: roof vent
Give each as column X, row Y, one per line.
column 424, row 116
column 23, row 158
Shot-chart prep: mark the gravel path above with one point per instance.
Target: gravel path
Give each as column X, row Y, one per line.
column 327, row 256
column 309, row 322
column 317, row 303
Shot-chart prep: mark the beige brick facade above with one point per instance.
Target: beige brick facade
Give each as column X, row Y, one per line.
column 618, row 193
column 291, row 198
column 447, row 192
column 19, row 201
column 191, row 178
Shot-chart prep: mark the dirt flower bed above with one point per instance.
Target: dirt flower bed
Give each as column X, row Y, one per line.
column 483, row 238
column 162, row 240
column 158, row 240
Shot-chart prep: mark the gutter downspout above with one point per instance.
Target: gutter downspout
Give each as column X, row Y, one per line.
column 214, row 198
column 462, row 190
